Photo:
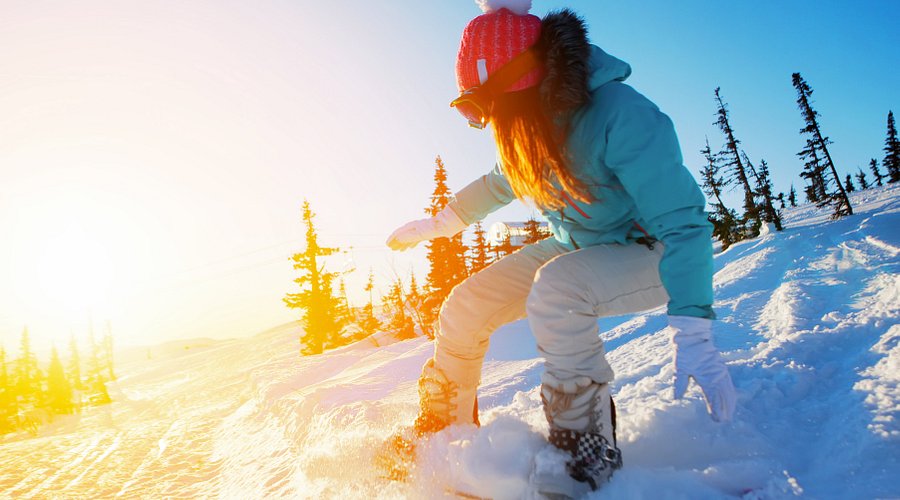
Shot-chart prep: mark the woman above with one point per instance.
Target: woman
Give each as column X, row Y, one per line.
column 603, row 165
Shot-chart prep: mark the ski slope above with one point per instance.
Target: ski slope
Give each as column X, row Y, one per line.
column 810, row 326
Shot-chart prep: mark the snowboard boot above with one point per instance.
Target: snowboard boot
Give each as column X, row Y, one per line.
column 442, row 402
column 582, row 420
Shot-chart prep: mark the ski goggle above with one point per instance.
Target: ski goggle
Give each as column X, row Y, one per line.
column 477, row 103
column 475, row 107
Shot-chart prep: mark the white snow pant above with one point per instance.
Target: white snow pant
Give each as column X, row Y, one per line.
column 563, row 291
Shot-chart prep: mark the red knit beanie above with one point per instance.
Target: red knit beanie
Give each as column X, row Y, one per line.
column 505, row 30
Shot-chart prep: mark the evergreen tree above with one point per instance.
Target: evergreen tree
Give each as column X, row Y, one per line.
column 861, row 178
column 96, row 375
column 415, row 304
column 480, row 249
column 781, row 200
column 534, row 232
column 8, row 404
column 446, row 256
column 873, row 165
column 764, row 188
column 74, row 372
column 891, row 160
column 316, row 298
column 505, row 247
column 792, row 196
column 848, row 184
column 399, row 321
column 814, row 173
column 108, row 357
column 723, row 219
column 817, row 142
column 29, row 379
column 736, row 168
column 59, row 391
column 369, row 323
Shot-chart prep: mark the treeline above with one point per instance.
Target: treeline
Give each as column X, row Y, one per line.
column 409, row 308
column 31, row 397
column 731, row 167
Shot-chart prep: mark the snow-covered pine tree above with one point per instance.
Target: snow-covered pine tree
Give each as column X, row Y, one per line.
column 738, row 172
column 480, row 249
column 891, row 160
column 861, row 179
column 316, row 298
column 724, row 220
column 819, row 142
column 873, row 165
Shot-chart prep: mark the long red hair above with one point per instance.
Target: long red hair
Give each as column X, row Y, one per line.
column 531, row 147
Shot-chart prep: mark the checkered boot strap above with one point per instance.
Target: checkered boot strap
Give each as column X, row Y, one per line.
column 593, row 456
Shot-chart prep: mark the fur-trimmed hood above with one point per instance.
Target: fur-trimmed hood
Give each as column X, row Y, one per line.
column 574, row 66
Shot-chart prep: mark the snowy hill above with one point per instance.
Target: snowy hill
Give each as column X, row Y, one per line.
column 810, row 325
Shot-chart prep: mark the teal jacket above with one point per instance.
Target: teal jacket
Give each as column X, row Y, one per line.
column 626, row 151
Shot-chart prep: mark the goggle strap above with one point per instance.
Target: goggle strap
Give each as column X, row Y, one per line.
column 510, row 73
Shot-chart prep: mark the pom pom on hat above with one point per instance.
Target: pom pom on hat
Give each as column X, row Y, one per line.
column 520, row 7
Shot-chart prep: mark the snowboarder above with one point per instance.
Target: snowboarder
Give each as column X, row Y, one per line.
column 603, row 165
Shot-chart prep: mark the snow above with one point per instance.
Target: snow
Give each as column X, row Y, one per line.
column 808, row 323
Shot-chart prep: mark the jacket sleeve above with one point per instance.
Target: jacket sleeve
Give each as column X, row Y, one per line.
column 482, row 196
column 642, row 150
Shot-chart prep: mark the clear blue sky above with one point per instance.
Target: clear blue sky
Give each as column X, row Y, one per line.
column 166, row 146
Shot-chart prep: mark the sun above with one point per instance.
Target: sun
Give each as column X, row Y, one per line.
column 71, row 274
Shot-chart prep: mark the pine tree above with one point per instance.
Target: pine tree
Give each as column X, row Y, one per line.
column 399, row 321
column 480, row 249
column 817, row 142
column 764, row 188
column 74, row 371
column 505, row 247
column 369, row 323
column 891, row 160
column 316, row 298
column 415, row 305
column 96, row 375
column 848, row 184
column 59, row 391
column 781, row 200
column 792, row 196
column 108, row 356
column 446, row 256
column 736, row 168
column 861, row 178
column 8, row 404
column 814, row 173
column 873, row 165
column 534, row 232
column 29, row 379
column 723, row 219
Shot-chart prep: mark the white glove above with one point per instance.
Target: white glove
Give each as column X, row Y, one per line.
column 443, row 225
column 696, row 357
